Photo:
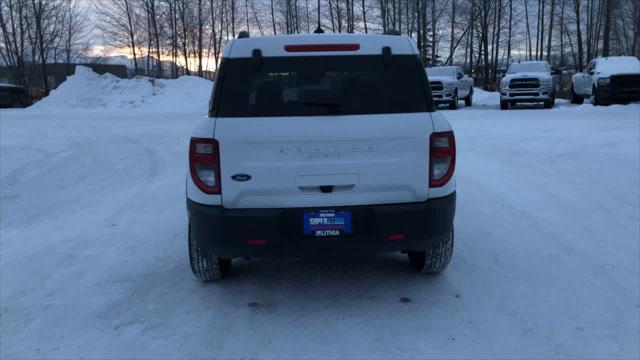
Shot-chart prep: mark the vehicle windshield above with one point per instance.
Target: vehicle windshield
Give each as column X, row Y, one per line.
column 315, row 85
column 528, row 67
column 441, row 71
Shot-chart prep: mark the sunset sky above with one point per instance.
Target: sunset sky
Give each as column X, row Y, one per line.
column 98, row 47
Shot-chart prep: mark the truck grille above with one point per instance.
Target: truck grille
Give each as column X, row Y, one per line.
column 436, row 85
column 527, row 94
column 625, row 81
column 525, row 83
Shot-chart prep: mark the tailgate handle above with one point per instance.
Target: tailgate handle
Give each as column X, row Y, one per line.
column 326, row 189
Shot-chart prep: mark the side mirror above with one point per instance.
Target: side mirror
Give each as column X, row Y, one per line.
column 460, row 76
column 591, row 72
column 556, row 72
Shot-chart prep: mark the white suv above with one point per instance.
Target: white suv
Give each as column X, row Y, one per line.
column 317, row 144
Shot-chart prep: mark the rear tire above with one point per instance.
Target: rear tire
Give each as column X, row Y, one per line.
column 453, row 105
column 434, row 260
column 575, row 98
column 206, row 266
column 504, row 105
column 468, row 101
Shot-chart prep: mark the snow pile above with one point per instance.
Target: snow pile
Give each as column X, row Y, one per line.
column 86, row 90
column 483, row 97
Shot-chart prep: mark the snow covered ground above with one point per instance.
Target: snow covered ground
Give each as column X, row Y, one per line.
column 94, row 264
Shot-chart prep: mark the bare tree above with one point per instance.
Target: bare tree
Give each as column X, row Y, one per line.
column 580, row 57
column 75, row 28
column 47, row 30
column 608, row 10
column 154, row 31
column 475, row 33
column 119, row 23
column 453, row 24
column 553, row 7
column 526, row 11
column 14, row 24
column 273, row 18
column 510, row 31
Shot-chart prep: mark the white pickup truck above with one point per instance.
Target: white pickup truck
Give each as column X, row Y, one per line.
column 318, row 144
column 608, row 80
column 449, row 84
column 528, row 82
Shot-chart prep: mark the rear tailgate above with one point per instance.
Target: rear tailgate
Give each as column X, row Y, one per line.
column 324, row 160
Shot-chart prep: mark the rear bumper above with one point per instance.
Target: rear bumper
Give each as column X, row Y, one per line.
column 226, row 232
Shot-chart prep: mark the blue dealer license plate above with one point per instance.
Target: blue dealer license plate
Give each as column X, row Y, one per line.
column 327, row 223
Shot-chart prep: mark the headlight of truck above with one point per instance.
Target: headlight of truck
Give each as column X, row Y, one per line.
column 448, row 85
column 504, row 83
column 545, row 82
column 603, row 82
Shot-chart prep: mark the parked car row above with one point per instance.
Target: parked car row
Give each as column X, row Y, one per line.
column 606, row 80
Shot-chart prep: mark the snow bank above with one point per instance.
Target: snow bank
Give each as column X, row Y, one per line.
column 86, row 90
column 483, row 97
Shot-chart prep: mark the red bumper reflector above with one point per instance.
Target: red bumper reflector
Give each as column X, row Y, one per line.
column 321, row 47
column 257, row 242
column 396, row 237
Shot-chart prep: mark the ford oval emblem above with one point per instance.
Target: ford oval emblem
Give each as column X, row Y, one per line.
column 241, row 177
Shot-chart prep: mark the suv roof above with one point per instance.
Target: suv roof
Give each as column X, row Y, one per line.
column 275, row 45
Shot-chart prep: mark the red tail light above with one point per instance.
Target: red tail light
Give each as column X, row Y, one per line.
column 443, row 158
column 321, row 47
column 204, row 163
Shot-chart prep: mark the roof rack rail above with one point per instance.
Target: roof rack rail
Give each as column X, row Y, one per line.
column 243, row 34
column 392, row 32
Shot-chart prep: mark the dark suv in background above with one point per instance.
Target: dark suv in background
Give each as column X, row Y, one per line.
column 14, row 96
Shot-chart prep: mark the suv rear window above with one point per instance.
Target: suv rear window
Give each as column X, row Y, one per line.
column 320, row 85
